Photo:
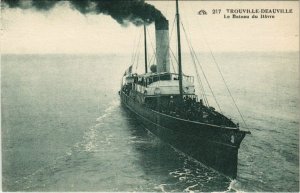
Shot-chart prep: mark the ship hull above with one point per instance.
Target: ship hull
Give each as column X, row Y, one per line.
column 214, row 146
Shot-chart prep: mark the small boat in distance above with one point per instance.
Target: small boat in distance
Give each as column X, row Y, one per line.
column 167, row 105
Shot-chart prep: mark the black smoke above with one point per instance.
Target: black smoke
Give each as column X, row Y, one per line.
column 123, row 11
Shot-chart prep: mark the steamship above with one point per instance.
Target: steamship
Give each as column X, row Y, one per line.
column 167, row 105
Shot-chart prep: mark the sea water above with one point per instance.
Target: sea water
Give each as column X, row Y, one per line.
column 63, row 128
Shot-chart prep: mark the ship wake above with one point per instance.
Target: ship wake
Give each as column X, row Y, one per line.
column 79, row 152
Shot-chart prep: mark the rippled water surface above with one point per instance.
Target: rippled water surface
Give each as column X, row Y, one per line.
column 63, row 128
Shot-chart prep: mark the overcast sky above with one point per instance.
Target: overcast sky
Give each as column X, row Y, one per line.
column 64, row 30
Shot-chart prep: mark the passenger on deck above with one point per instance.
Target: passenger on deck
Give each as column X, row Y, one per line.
column 171, row 105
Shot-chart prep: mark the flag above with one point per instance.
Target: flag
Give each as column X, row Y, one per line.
column 128, row 71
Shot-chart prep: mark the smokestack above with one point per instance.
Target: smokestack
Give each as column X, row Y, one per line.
column 162, row 45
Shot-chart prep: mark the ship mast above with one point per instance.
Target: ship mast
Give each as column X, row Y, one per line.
column 145, row 44
column 179, row 51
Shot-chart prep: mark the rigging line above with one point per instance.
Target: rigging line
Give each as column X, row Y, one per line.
column 170, row 38
column 205, row 41
column 172, row 60
column 172, row 29
column 133, row 49
column 215, row 98
column 193, row 55
column 150, row 61
column 138, row 53
column 136, row 48
column 174, row 56
column 204, row 75
column 170, row 49
column 173, row 66
column 153, row 55
column 198, row 76
column 151, row 41
column 137, row 64
column 223, row 77
column 199, row 81
column 184, row 20
column 227, row 86
column 197, row 72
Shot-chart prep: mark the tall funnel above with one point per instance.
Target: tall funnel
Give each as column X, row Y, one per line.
column 162, row 45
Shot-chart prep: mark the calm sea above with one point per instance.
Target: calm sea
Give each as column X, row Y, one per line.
column 63, row 128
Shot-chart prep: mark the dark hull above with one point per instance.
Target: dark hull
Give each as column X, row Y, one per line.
column 216, row 147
